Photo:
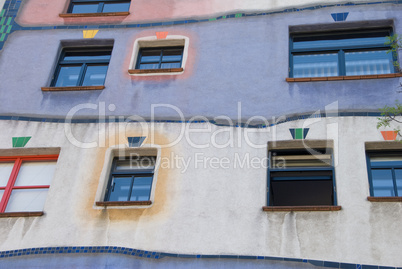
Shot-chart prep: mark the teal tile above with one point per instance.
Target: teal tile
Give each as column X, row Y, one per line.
column 20, row 142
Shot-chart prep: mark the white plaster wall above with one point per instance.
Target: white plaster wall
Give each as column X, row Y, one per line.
column 207, row 210
column 2, row 4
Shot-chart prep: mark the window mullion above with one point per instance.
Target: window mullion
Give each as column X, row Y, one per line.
column 10, row 184
column 341, row 63
column 131, row 188
column 160, row 59
column 81, row 76
column 100, row 7
column 394, row 181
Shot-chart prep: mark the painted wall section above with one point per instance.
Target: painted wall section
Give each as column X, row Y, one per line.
column 2, row 3
column 251, row 69
column 43, row 12
column 198, row 200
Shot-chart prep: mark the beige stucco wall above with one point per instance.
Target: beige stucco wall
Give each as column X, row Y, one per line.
column 207, row 208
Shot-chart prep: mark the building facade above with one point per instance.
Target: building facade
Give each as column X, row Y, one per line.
column 199, row 134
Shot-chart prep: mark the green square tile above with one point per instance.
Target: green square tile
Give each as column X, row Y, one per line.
column 2, row 37
column 238, row 15
column 2, row 13
column 9, row 29
column 9, row 20
column 2, row 29
column 2, row 20
column 299, row 133
column 213, row 19
column 20, row 142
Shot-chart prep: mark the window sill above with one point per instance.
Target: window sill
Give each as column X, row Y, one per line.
column 393, row 75
column 155, row 71
column 384, row 199
column 77, row 88
column 106, row 14
column 301, row 208
column 126, row 203
column 20, row 214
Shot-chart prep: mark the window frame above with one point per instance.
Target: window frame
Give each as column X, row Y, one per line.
column 140, row 52
column 83, row 63
column 301, row 146
column 101, row 4
column 146, row 150
column 133, row 174
column 18, row 161
column 339, row 50
column 370, row 154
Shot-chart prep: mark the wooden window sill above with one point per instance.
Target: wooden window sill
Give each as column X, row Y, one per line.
column 393, row 75
column 155, row 71
column 125, row 203
column 20, row 214
column 106, row 14
column 384, row 199
column 301, row 208
column 77, row 88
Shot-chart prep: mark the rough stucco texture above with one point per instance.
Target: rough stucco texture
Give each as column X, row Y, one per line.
column 214, row 81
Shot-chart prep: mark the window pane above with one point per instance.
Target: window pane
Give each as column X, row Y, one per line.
column 398, row 175
column 172, row 55
column 136, row 163
column 116, row 7
column 5, row 172
column 315, row 65
column 35, row 173
column 150, row 56
column 368, row 63
column 68, row 76
column 170, row 65
column 385, row 161
column 85, row 8
column 95, row 75
column 120, row 188
column 149, row 66
column 382, row 182
column 27, row 200
column 141, row 189
column 86, row 55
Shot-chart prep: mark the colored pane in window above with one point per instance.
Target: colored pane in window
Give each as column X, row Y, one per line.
column 141, row 189
column 116, row 7
column 95, row 75
column 85, row 8
column 120, row 188
column 86, row 55
column 398, row 179
column 27, row 200
column 68, row 76
column 5, row 172
column 35, row 173
column 382, row 182
column 315, row 65
column 160, row 58
column 368, row 63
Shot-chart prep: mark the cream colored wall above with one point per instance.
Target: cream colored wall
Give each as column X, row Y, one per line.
column 207, row 209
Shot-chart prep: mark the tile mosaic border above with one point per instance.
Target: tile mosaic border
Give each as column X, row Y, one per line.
column 159, row 255
column 11, row 7
column 274, row 122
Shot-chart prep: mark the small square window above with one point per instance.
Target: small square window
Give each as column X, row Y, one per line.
column 94, row 6
column 131, row 179
column 160, row 58
column 24, row 182
column 82, row 67
column 346, row 53
column 385, row 174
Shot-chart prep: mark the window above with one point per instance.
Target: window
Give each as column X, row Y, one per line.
column 95, row 6
column 131, row 179
column 346, row 53
column 301, row 176
column 385, row 174
column 24, row 183
column 82, row 67
column 128, row 179
column 160, row 58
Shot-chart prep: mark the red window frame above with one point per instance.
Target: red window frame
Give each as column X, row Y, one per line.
column 18, row 160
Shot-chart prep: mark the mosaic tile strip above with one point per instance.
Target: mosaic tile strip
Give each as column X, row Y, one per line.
column 135, row 141
column 340, row 16
column 11, row 7
column 159, row 255
column 299, row 133
column 280, row 120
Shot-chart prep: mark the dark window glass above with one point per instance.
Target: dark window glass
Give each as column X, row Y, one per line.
column 385, row 174
column 82, row 67
column 301, row 178
column 160, row 58
column 341, row 54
